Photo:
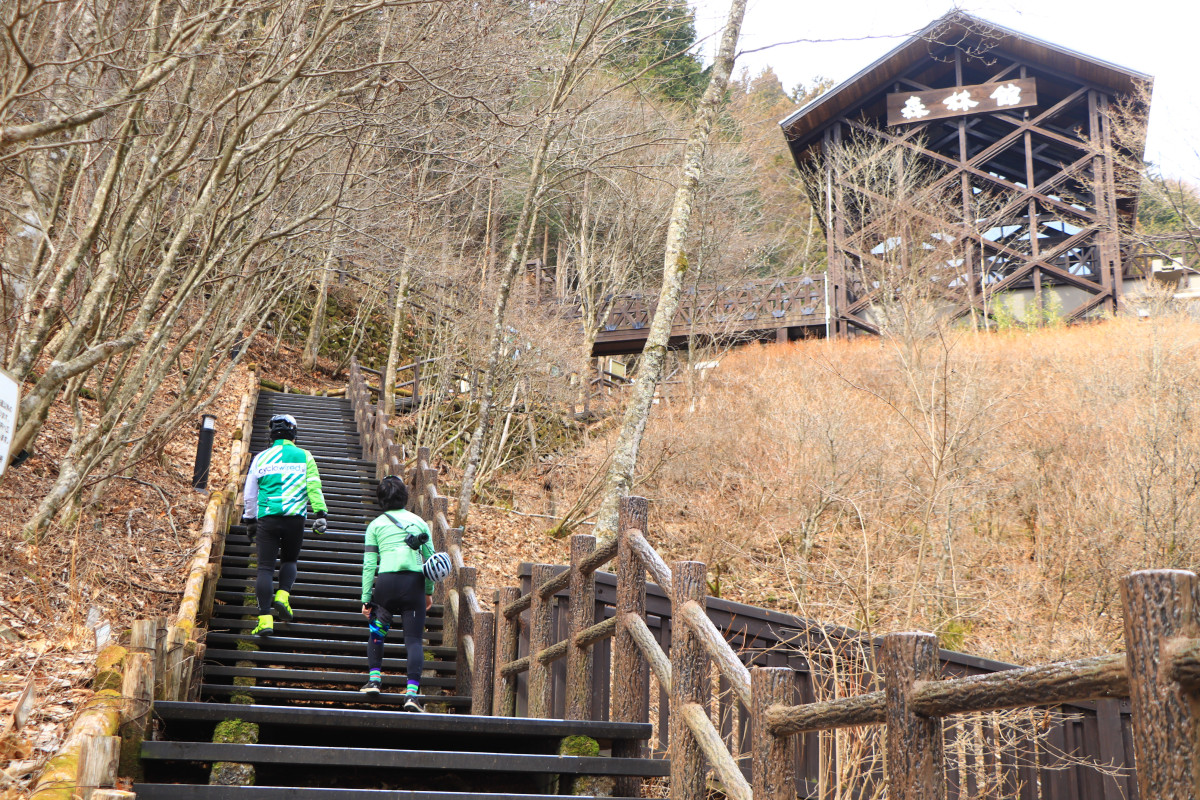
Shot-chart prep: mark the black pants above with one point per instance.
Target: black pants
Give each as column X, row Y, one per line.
column 279, row 536
column 398, row 593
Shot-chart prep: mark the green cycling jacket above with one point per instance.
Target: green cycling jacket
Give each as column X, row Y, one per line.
column 283, row 479
column 386, row 550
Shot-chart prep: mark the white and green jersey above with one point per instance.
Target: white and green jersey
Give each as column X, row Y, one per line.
column 283, row 479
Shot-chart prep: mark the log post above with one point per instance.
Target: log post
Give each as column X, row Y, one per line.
column 1160, row 612
column 914, row 742
column 508, row 637
column 143, row 636
column 464, row 677
column 112, row 794
column 483, row 631
column 176, row 664
column 582, row 613
column 690, row 683
column 630, row 670
column 772, row 755
column 98, row 764
column 137, row 689
column 443, row 589
column 539, row 639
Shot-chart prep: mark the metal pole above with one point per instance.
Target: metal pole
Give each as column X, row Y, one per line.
column 204, row 444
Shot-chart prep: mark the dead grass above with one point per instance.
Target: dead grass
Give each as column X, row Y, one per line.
column 994, row 489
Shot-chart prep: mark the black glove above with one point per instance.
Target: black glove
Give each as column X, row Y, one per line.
column 415, row 540
column 319, row 523
column 251, row 524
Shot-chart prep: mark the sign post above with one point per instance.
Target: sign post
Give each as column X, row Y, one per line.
column 10, row 401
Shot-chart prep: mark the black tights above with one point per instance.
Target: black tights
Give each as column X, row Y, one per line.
column 398, row 593
column 279, row 537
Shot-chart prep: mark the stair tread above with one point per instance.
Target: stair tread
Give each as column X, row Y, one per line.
column 317, row 676
column 465, row 724
column 404, row 759
column 319, row 659
column 313, row 644
column 329, row 695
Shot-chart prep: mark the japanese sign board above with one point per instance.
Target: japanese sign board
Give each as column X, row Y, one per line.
column 904, row 108
column 10, row 401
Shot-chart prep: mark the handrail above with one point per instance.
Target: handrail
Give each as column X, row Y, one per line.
column 1046, row 684
column 697, row 644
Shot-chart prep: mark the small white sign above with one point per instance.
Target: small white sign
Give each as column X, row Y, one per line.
column 10, row 401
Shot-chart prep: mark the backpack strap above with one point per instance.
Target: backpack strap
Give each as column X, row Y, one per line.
column 402, row 528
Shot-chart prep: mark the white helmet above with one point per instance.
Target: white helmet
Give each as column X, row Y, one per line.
column 437, row 567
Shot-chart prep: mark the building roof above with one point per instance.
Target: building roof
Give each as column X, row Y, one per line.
column 802, row 126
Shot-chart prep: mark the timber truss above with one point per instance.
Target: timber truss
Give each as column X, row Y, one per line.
column 1029, row 198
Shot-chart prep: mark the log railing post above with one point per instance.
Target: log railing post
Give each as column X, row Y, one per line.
column 690, row 683
column 772, row 755
column 539, row 639
column 97, row 765
column 463, row 679
column 483, row 630
column 444, row 588
column 914, row 742
column 630, row 670
column 1160, row 610
column 582, row 599
column 508, row 636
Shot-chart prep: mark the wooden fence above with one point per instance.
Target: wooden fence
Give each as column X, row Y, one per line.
column 759, row 726
column 1043, row 753
column 465, row 621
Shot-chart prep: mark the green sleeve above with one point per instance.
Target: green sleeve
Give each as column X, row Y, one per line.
column 315, row 496
column 426, row 552
column 370, row 563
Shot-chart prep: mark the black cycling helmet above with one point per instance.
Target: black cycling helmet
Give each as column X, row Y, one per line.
column 392, row 494
column 282, row 426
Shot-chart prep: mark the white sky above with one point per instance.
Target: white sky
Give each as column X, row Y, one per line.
column 1156, row 37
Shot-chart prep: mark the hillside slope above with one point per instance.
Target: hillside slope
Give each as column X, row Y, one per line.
column 992, row 487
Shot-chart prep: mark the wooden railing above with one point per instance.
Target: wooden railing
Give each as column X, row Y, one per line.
column 1163, row 640
column 466, row 623
column 1160, row 672
column 684, row 672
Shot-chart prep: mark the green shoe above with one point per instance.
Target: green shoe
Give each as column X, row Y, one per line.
column 281, row 606
column 265, row 626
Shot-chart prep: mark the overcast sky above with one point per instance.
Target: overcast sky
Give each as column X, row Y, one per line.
column 1157, row 37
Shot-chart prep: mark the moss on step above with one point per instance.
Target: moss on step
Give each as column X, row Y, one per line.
column 584, row 785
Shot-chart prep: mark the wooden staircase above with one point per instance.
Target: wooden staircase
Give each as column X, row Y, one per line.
column 316, row 735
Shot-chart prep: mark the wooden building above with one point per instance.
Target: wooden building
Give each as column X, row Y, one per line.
column 977, row 164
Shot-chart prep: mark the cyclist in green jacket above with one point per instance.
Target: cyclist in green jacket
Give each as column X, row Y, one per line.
column 282, row 482
column 393, row 582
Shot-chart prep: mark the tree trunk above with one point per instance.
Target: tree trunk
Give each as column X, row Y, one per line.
column 388, row 387
column 316, row 330
column 675, row 264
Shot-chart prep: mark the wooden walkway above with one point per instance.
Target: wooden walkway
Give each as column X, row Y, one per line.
column 776, row 308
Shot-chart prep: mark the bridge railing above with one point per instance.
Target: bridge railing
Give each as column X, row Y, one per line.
column 758, row 305
column 465, row 622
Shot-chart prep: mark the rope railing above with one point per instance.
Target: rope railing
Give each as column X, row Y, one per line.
column 466, row 625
